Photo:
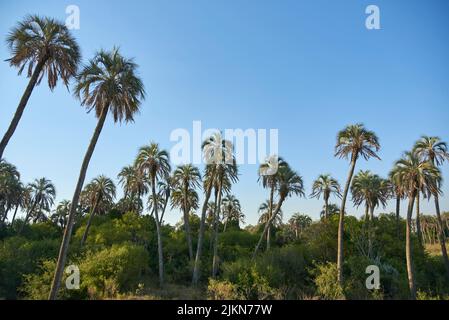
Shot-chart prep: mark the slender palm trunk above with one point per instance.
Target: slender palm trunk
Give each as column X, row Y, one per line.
column 270, row 213
column 68, row 229
column 398, row 211
column 89, row 222
column 159, row 234
column 371, row 213
column 441, row 235
column 199, row 248
column 187, row 222
column 408, row 249
column 216, row 220
column 267, row 225
column 341, row 221
column 15, row 213
column 418, row 219
column 22, row 104
column 326, row 208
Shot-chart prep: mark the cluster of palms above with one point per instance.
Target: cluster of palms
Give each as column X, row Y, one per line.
column 108, row 84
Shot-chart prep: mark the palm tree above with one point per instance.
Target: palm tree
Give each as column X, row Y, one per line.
column 434, row 150
column 100, row 190
column 413, row 173
column 288, row 183
column 325, row 185
column 265, row 215
column 352, row 142
column 42, row 46
column 43, row 194
column 232, row 211
column 299, row 222
column 268, row 176
column 218, row 154
column 399, row 194
column 107, row 84
column 154, row 163
column 187, row 178
column 332, row 210
column 61, row 213
column 178, row 201
column 10, row 189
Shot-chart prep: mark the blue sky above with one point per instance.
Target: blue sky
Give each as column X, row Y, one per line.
column 307, row 68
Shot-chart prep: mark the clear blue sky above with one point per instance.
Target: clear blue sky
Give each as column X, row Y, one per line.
column 307, row 68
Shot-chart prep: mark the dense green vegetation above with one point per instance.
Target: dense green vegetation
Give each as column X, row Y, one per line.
column 125, row 249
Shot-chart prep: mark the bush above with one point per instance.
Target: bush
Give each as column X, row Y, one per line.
column 327, row 283
column 222, row 290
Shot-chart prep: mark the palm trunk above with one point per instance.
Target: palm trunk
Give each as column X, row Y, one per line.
column 22, row 104
column 187, row 222
column 366, row 211
column 15, row 213
column 371, row 213
column 418, row 219
column 267, row 226
column 89, row 222
column 408, row 249
column 398, row 211
column 216, row 218
column 326, row 208
column 441, row 235
column 341, row 222
column 68, row 229
column 268, row 238
column 199, row 248
column 159, row 234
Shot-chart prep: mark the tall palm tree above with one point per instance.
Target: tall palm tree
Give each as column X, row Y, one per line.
column 218, row 153
column 187, row 178
column 325, row 185
column 107, row 84
column 42, row 46
column 10, row 189
column 265, row 215
column 155, row 165
column 288, row 183
column 434, row 150
column 192, row 203
column 268, row 176
column 100, row 190
column 413, row 173
column 352, row 142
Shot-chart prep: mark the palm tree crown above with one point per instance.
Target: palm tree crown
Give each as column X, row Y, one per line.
column 46, row 40
column 356, row 140
column 109, row 81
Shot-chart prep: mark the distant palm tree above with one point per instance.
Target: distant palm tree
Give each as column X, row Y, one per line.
column 413, row 173
column 399, row 193
column 61, row 213
column 332, row 210
column 434, row 150
column 107, row 84
column 299, row 223
column 352, row 142
column 325, row 185
column 42, row 46
column 232, row 211
column 288, row 183
column 10, row 189
column 186, row 179
column 43, row 194
column 155, row 165
column 100, row 190
column 265, row 215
